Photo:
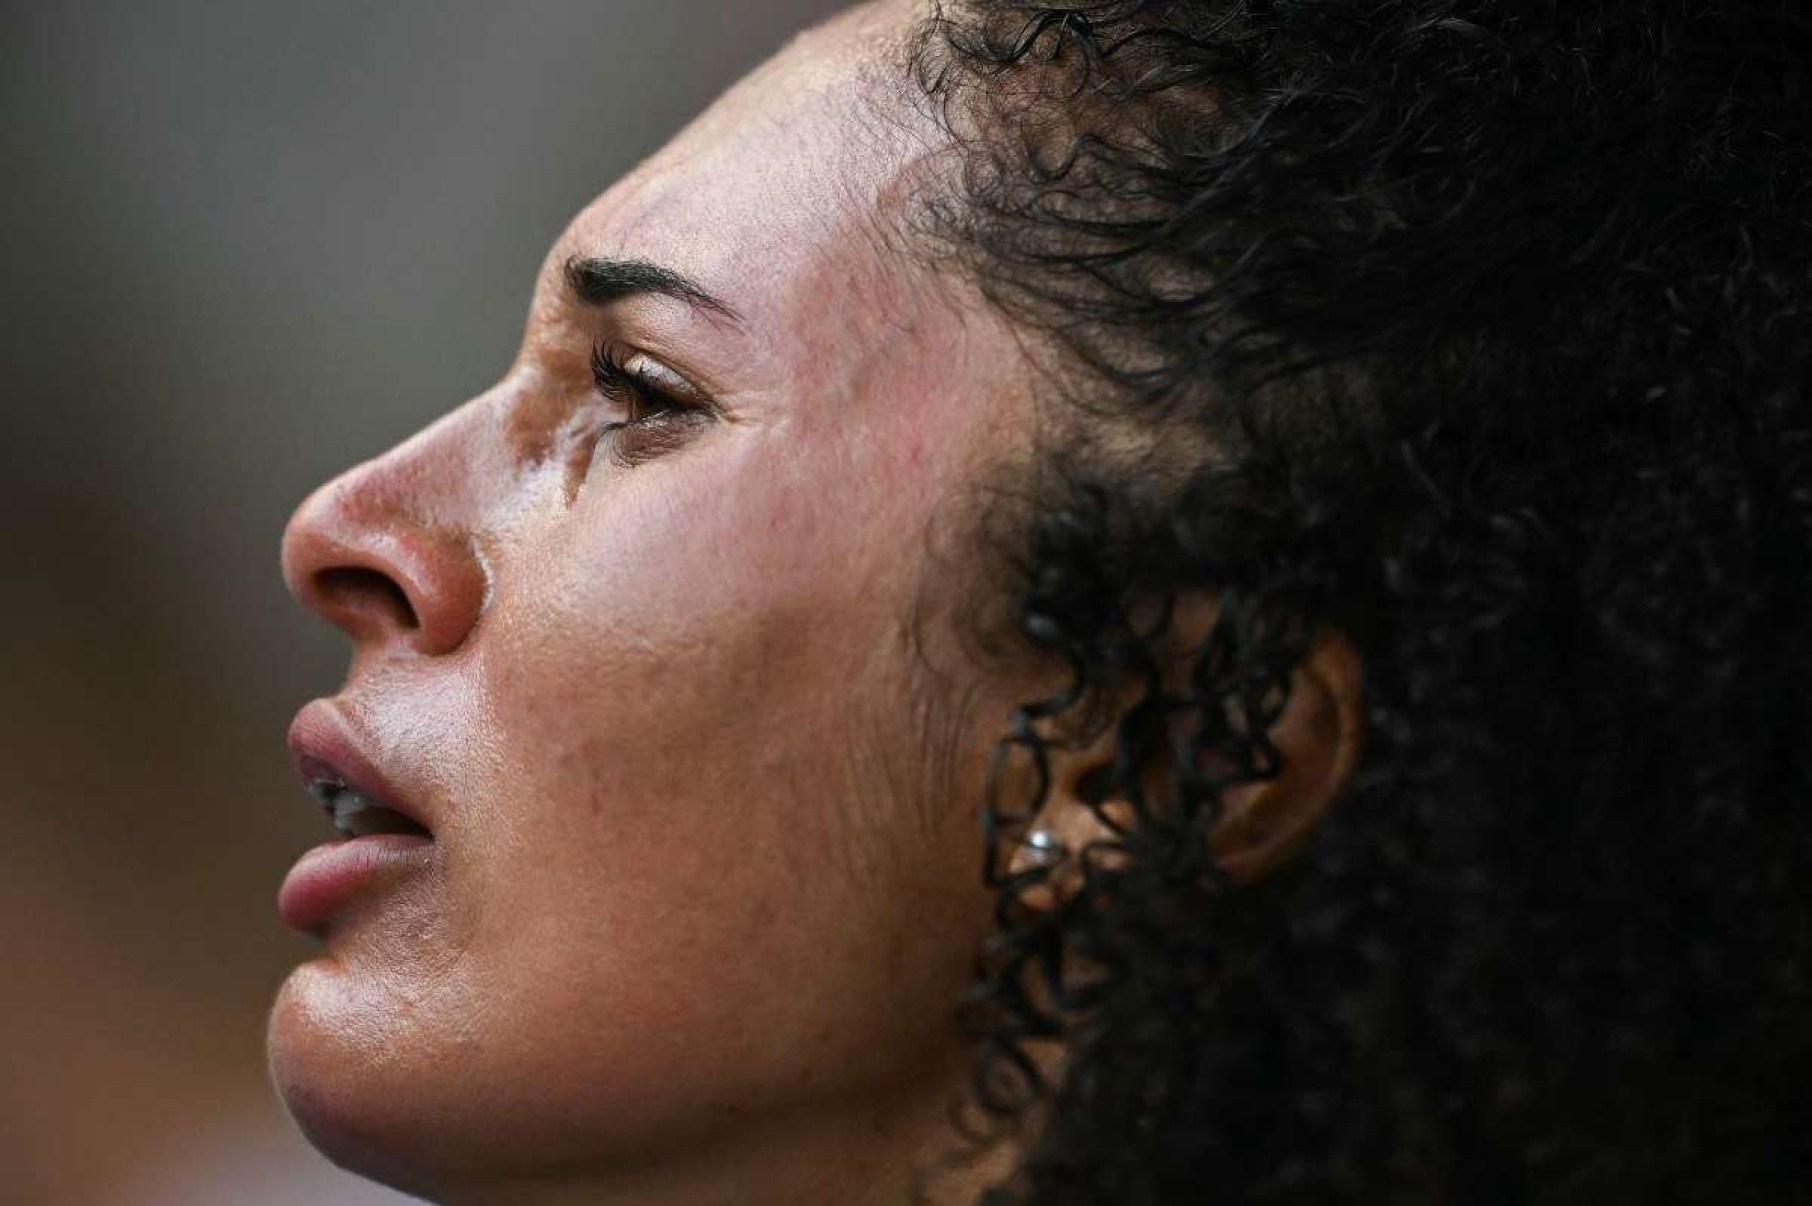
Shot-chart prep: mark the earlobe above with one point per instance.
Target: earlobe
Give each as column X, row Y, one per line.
column 1264, row 825
column 1082, row 791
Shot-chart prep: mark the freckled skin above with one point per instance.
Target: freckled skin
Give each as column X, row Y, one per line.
column 693, row 931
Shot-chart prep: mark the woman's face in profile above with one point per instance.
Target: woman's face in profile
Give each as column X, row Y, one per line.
column 636, row 639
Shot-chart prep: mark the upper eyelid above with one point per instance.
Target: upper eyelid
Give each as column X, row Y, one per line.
column 618, row 353
column 687, row 391
column 612, row 359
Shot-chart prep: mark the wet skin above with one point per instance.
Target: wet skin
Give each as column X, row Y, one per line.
column 704, row 885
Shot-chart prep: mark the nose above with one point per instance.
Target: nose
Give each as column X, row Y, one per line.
column 386, row 552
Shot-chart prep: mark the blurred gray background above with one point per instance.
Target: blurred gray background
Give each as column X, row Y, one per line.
column 243, row 246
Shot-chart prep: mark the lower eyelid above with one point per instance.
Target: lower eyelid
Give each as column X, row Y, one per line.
column 631, row 444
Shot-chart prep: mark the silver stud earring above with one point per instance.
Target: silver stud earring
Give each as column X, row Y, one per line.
column 1044, row 848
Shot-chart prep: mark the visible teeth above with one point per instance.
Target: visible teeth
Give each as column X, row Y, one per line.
column 357, row 816
column 347, row 805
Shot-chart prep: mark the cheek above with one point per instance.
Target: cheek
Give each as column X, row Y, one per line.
column 683, row 672
column 729, row 595
column 687, row 675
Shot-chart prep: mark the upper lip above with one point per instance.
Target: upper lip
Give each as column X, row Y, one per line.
column 327, row 749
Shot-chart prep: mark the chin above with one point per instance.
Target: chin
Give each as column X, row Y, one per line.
column 362, row 1109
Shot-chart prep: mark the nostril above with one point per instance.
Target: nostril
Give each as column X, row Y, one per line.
column 369, row 592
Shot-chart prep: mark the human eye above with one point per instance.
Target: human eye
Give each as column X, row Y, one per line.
column 661, row 408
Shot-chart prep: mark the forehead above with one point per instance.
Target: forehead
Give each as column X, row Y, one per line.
column 789, row 181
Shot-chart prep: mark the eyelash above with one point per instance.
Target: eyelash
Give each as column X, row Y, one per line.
column 662, row 426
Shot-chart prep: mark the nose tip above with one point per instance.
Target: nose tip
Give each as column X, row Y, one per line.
column 381, row 576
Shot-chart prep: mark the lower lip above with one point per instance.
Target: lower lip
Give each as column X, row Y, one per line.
column 327, row 879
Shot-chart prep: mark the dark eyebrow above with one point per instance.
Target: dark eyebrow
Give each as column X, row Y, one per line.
column 597, row 281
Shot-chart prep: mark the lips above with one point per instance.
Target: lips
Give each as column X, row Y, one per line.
column 384, row 835
column 332, row 763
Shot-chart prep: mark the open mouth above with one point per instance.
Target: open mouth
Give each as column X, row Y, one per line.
column 356, row 815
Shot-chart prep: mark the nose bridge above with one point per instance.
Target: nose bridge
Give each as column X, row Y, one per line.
column 426, row 480
column 389, row 550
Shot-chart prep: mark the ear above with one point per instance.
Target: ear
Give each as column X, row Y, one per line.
column 1266, row 824
column 1263, row 825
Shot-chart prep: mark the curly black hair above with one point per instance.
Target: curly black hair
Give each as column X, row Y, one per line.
column 1478, row 332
